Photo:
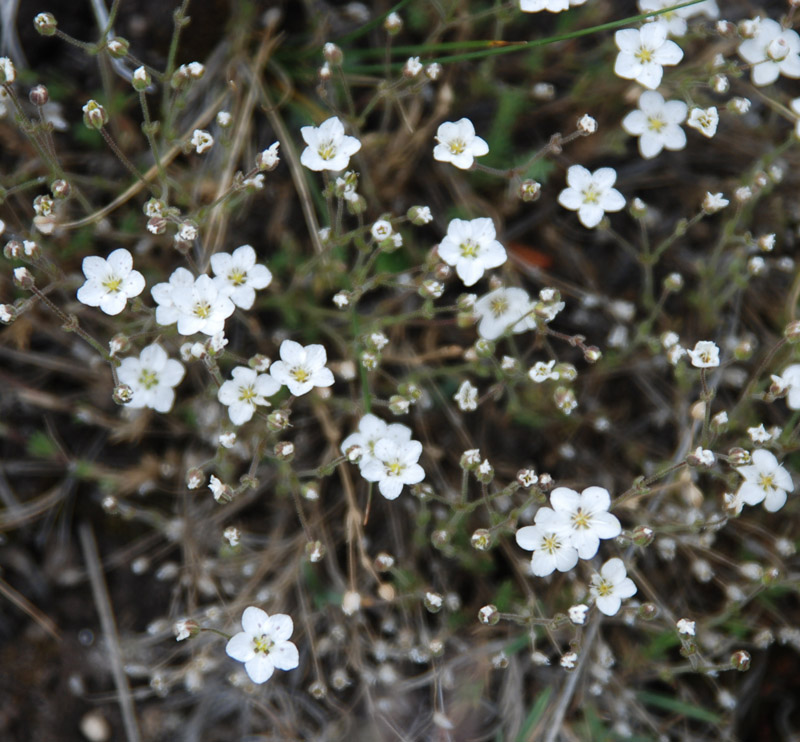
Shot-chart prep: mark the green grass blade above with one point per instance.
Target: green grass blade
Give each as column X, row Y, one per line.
column 676, row 706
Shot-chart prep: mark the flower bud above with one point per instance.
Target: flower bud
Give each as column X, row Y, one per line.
column 419, row 215
column 489, row 615
column 399, row 405
column 739, row 457
column 13, row 250
column 45, row 23
column 592, row 354
column 8, row 313
column 393, row 24
column 284, row 450
column 315, row 551
column 141, row 79
column 643, row 536
column 433, row 602
column 470, row 460
column 39, row 95
column 332, row 53
column 587, row 125
column 23, row 278
column 60, row 188
column 673, row 282
column 122, row 394
column 529, row 190
column 278, row 420
column 648, row 611
column 485, row 472
column 156, row 225
column 118, row 47
column 94, row 115
column 481, row 539
column 740, row 661
column 195, row 478
column 268, row 159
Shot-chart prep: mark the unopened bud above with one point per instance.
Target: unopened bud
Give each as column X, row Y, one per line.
column 792, row 331
column 45, row 23
column 332, row 53
column 94, row 115
column 643, row 536
column 39, row 95
column 278, row 420
column 123, row 394
column 481, row 539
column 118, row 47
column 529, row 190
column 141, row 79
column 60, row 188
column 489, row 615
column 740, row 660
column 315, row 551
column 284, row 450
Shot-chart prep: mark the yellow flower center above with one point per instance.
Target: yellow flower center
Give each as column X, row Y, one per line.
column 112, row 284
column 469, row 249
column 766, row 482
column 457, row 146
column 148, row 379
column 499, row 307
column 236, row 277
column 202, row 309
column 604, row 587
column 262, row 644
column 591, row 195
column 326, row 150
column 246, row 393
column 655, row 124
column 581, row 519
column 644, row 55
column 394, row 468
column 300, row 374
column 551, row 543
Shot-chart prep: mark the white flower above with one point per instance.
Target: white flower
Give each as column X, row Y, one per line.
column 219, row 489
column 705, row 120
column 393, row 464
column 772, row 51
column 200, row 306
column 704, row 456
column 504, row 309
column 264, row 644
column 328, row 146
column 8, row 73
column 764, row 480
column 381, row 230
column 551, row 6
column 110, row 282
column 458, row 144
column 714, row 202
column 302, row 368
column 685, row 626
column 541, row 372
column 152, row 377
column 704, row 355
column 268, row 159
column 247, row 389
column 644, row 52
column 412, row 67
column 166, row 311
column 791, row 379
column 471, row 247
column 467, row 397
column 549, row 543
column 759, row 434
column 577, row 614
column 370, row 430
column 585, row 518
column 610, row 586
column 202, row 141
column 238, row 276
column 591, row 194
column 656, row 123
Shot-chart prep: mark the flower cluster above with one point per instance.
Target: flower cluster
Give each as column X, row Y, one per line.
column 388, row 455
column 570, row 529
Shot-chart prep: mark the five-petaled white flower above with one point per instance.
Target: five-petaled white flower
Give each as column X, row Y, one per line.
column 643, row 52
column 301, row 368
column 657, row 124
column 471, row 247
column 503, row 310
column 773, row 51
column 591, row 194
column 152, row 377
column 238, row 276
column 200, row 306
column 765, row 480
column 393, row 464
column 110, row 282
column 705, row 120
column 549, row 543
column 370, row 430
column 458, row 144
column 329, row 148
column 541, row 372
column 585, row 517
column 247, row 389
column 704, row 355
column 264, row 644
column 610, row 586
